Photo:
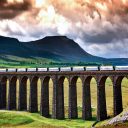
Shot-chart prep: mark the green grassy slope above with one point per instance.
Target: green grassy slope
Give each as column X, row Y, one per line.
column 14, row 61
column 25, row 119
column 7, row 61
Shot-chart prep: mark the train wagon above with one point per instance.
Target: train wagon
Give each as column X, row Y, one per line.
column 121, row 68
column 3, row 70
column 54, row 69
column 11, row 70
column 78, row 68
column 42, row 69
column 92, row 68
column 65, row 69
column 106, row 68
column 31, row 69
column 21, row 70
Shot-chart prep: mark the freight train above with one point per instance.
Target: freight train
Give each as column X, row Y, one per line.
column 67, row 69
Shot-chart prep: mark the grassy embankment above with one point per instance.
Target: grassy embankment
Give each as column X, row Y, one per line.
column 24, row 119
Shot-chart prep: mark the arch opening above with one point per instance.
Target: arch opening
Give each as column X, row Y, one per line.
column 109, row 96
column 79, row 96
column 124, row 85
column 50, row 96
column 28, row 93
column 93, row 93
column 39, row 93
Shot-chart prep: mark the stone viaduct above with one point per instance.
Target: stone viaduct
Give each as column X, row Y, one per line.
column 58, row 92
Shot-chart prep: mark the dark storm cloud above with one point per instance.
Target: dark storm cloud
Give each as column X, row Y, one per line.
column 11, row 10
column 106, row 37
column 100, row 38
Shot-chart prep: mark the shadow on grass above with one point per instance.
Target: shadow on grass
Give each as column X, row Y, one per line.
column 26, row 122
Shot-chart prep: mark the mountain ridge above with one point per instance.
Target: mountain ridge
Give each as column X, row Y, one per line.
column 58, row 48
column 54, row 48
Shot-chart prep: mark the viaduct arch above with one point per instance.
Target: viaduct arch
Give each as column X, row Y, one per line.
column 58, row 92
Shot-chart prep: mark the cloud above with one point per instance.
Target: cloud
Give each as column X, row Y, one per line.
column 112, row 50
column 99, row 26
column 11, row 28
column 11, row 8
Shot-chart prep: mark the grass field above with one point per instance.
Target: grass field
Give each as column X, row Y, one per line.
column 8, row 61
column 24, row 119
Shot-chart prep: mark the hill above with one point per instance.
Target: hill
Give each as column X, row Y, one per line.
column 16, row 119
column 58, row 49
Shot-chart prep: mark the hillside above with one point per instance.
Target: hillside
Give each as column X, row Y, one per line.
column 58, row 49
column 61, row 48
column 16, row 119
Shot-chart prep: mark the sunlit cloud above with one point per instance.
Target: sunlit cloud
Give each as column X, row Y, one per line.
column 93, row 24
column 39, row 3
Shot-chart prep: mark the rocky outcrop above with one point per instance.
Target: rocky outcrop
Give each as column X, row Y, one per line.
column 119, row 119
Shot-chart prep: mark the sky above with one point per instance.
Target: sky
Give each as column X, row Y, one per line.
column 100, row 27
